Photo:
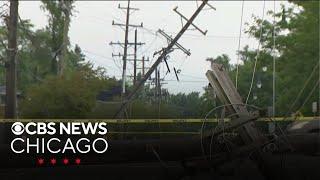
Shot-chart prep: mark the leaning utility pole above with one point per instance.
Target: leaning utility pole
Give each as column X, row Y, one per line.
column 11, row 72
column 160, row 58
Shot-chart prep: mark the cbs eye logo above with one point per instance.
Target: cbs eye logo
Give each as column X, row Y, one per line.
column 17, row 128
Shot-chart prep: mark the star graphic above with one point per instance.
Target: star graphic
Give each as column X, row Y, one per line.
column 40, row 161
column 78, row 161
column 53, row 161
column 65, row 161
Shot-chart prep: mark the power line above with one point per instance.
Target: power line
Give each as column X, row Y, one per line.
column 196, row 77
column 239, row 43
column 303, row 88
column 274, row 62
column 153, row 31
column 96, row 54
column 309, row 95
column 258, row 53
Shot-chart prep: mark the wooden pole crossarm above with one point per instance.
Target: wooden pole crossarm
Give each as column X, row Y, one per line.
column 186, row 51
column 182, row 16
column 130, row 25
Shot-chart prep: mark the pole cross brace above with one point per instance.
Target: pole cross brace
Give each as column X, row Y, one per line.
column 130, row 25
column 186, row 19
column 169, row 38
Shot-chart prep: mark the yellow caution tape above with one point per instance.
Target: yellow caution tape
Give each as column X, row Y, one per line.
column 148, row 120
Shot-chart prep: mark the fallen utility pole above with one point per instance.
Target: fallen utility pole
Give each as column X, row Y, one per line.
column 158, row 61
column 229, row 96
column 11, row 72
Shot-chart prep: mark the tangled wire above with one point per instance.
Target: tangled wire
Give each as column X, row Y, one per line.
column 221, row 125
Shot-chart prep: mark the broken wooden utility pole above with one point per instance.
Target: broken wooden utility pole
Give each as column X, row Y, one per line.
column 159, row 59
column 11, row 72
column 228, row 95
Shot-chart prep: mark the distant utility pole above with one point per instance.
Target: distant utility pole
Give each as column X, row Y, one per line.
column 11, row 72
column 126, row 44
column 142, row 66
column 135, row 58
column 124, row 58
column 165, row 51
column 158, row 82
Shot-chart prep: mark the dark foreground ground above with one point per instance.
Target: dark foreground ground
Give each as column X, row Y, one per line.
column 285, row 166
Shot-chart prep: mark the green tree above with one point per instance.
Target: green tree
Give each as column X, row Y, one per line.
column 60, row 13
column 297, row 53
column 61, row 97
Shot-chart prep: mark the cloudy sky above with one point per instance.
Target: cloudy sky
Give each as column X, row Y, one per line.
column 91, row 28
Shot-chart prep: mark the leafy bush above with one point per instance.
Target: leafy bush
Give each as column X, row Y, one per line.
column 73, row 96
